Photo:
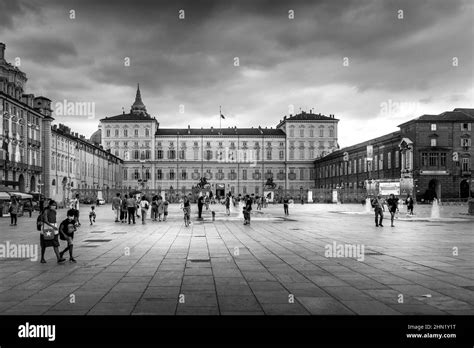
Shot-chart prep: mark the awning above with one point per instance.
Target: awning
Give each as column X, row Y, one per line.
column 4, row 196
column 21, row 195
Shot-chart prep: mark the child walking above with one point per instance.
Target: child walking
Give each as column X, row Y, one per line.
column 66, row 232
column 92, row 215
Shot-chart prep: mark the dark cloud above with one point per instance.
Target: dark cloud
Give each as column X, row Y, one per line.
column 282, row 61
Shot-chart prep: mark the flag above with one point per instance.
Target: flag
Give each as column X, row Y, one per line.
column 222, row 116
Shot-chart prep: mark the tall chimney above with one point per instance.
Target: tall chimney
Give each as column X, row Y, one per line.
column 2, row 51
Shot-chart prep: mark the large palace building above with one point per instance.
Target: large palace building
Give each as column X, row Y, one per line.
column 238, row 160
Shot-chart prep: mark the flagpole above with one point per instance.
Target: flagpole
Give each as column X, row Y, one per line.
column 220, row 120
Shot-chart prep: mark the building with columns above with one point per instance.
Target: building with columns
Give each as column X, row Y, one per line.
column 26, row 120
column 238, row 160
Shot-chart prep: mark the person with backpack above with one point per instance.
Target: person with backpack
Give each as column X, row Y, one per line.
column 66, row 233
column 49, row 232
column 144, row 205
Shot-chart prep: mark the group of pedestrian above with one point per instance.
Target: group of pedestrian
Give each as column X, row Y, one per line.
column 50, row 232
column 378, row 203
column 128, row 208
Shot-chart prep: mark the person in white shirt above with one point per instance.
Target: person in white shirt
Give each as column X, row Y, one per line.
column 144, row 205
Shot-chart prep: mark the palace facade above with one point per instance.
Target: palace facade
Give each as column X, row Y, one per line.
column 238, row 160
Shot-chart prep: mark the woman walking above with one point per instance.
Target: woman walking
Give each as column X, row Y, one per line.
column 392, row 204
column 49, row 231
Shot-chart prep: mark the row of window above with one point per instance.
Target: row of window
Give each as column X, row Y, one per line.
column 465, row 142
column 360, row 165
column 322, row 132
column 135, row 174
column 218, row 155
column 19, row 112
column 438, row 160
column 125, row 133
column 465, row 127
column 17, row 154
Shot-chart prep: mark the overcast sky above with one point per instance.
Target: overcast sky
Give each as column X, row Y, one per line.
column 282, row 61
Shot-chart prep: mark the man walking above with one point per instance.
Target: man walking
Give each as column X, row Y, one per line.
column 116, row 205
column 377, row 204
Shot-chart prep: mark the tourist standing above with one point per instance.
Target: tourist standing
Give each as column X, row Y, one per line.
column 186, row 210
column 116, row 206
column 409, row 202
column 200, row 204
column 160, row 207
column 227, row 204
column 285, row 205
column 377, row 204
column 154, row 208
column 144, row 206
column 165, row 208
column 66, row 233
column 247, row 209
column 13, row 210
column 392, row 203
column 49, row 231
column 123, row 209
column 259, row 203
column 131, row 207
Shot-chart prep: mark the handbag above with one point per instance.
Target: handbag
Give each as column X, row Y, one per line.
column 48, row 234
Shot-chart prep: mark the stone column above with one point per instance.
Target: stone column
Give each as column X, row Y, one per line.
column 46, row 149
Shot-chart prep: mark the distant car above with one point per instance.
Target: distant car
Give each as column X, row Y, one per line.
column 85, row 201
column 101, row 201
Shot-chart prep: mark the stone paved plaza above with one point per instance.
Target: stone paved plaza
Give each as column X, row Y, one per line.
column 275, row 266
